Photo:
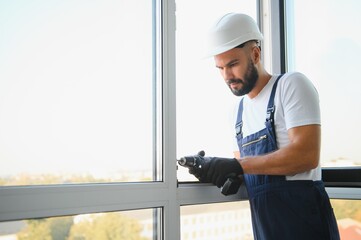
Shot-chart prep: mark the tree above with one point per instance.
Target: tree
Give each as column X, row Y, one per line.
column 35, row 229
column 47, row 229
column 109, row 226
column 60, row 227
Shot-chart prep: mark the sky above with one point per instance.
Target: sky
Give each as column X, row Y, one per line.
column 75, row 95
column 327, row 51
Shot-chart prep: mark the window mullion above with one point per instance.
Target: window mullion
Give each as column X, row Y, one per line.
column 171, row 210
column 57, row 200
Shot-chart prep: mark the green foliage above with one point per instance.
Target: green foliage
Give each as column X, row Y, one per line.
column 110, row 226
column 47, row 229
column 60, row 227
column 103, row 226
column 35, row 229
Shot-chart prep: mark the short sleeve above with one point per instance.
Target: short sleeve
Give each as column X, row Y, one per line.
column 300, row 102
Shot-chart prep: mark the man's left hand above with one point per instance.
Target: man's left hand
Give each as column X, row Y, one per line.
column 222, row 168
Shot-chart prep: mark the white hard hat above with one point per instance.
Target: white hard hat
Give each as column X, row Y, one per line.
column 230, row 31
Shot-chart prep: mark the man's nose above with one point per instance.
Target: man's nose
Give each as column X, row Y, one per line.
column 228, row 74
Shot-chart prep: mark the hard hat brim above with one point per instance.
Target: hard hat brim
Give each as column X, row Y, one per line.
column 232, row 44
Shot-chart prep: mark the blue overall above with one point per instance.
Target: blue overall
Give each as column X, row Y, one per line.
column 283, row 209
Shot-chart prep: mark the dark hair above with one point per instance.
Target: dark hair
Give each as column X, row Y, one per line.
column 243, row 44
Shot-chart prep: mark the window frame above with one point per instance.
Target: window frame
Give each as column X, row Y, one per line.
column 42, row 201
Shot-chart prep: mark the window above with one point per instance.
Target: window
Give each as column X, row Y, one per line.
column 204, row 102
column 136, row 224
column 77, row 92
column 204, row 105
column 81, row 113
column 327, row 48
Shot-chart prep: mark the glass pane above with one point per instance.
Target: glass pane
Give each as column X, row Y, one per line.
column 204, row 102
column 348, row 215
column 231, row 221
column 70, row 109
column 137, row 225
column 327, row 49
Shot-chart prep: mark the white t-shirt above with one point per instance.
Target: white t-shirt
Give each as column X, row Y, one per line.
column 297, row 104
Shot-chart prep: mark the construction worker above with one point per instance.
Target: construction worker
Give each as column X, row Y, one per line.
column 278, row 133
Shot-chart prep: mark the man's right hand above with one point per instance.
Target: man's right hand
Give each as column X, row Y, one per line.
column 220, row 169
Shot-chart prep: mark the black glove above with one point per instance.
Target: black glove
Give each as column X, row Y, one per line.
column 197, row 164
column 201, row 168
column 220, row 169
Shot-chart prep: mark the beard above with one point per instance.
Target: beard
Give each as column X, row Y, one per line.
column 248, row 82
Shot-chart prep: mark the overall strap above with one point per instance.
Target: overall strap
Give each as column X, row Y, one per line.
column 239, row 122
column 271, row 106
column 270, row 110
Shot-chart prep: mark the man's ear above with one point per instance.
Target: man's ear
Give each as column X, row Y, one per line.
column 256, row 54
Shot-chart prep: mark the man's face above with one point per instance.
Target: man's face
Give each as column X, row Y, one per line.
column 238, row 70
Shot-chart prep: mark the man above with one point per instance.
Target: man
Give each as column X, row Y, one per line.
column 278, row 134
